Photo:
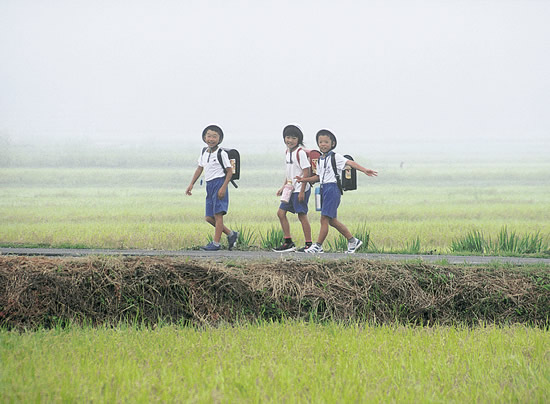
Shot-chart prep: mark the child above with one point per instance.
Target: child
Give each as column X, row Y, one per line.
column 330, row 192
column 217, row 195
column 297, row 164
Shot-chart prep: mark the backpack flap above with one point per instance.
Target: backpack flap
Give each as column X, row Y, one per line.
column 313, row 157
column 235, row 159
column 349, row 176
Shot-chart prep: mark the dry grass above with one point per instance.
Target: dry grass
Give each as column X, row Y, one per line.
column 48, row 292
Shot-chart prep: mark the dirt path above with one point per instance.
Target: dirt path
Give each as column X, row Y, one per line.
column 259, row 255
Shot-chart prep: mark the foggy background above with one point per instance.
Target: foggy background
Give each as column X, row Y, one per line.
column 442, row 76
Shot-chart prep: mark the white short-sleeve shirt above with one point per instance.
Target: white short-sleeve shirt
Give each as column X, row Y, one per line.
column 212, row 168
column 324, row 168
column 293, row 168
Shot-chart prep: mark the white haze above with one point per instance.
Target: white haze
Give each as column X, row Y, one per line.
column 399, row 72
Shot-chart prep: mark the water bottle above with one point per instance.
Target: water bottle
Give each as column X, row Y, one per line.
column 318, row 199
column 287, row 192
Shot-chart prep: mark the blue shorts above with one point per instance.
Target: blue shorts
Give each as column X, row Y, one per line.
column 330, row 199
column 294, row 205
column 214, row 205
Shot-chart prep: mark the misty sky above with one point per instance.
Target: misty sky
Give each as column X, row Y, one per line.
column 424, row 70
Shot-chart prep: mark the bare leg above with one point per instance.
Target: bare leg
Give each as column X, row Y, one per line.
column 281, row 214
column 220, row 228
column 306, row 227
column 341, row 227
column 212, row 221
column 324, row 229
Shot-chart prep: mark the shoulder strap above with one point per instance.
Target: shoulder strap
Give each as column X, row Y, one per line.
column 220, row 160
column 338, row 180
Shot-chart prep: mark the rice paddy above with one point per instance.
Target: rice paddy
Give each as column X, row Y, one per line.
column 427, row 207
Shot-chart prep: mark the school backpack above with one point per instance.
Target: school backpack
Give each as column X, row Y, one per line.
column 312, row 156
column 349, row 182
column 234, row 159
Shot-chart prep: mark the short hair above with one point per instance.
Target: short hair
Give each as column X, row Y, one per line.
column 214, row 128
column 326, row 132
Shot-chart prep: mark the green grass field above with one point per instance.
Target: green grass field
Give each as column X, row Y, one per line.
column 276, row 362
column 432, row 203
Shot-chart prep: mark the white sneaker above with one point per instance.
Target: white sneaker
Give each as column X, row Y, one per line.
column 314, row 249
column 354, row 246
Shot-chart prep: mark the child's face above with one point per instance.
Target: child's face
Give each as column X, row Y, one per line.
column 325, row 143
column 291, row 141
column 211, row 138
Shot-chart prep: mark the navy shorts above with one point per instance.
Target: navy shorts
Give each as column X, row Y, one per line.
column 294, row 205
column 214, row 205
column 330, row 197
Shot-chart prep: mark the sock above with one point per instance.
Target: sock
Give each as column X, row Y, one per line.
column 216, row 244
column 308, row 243
column 288, row 240
column 352, row 239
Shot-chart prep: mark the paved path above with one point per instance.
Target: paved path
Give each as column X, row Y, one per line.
column 259, row 255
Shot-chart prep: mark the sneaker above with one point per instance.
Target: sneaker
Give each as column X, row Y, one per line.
column 314, row 249
column 304, row 248
column 232, row 239
column 354, row 246
column 211, row 247
column 285, row 247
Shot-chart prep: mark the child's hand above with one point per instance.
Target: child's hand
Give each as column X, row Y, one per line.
column 221, row 193
column 371, row 173
column 299, row 179
column 188, row 191
column 301, row 196
column 279, row 192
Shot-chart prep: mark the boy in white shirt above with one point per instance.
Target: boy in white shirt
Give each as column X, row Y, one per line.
column 330, row 190
column 217, row 195
column 297, row 165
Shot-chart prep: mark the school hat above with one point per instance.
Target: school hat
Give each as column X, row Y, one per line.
column 214, row 128
column 294, row 131
column 326, row 132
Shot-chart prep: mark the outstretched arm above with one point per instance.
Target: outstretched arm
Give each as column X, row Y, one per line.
column 358, row 167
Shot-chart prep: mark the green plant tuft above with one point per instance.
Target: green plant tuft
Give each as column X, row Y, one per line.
column 272, row 238
column 506, row 243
